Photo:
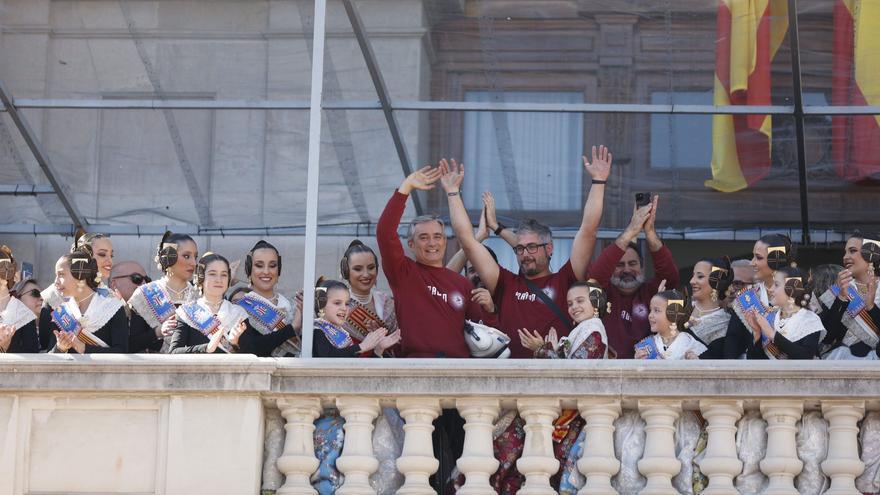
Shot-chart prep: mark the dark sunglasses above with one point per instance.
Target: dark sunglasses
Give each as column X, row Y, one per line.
column 136, row 278
column 33, row 293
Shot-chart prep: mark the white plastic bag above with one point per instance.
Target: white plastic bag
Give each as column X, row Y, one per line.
column 812, row 448
column 751, row 446
column 629, row 445
column 387, row 446
column 869, row 439
column 687, row 434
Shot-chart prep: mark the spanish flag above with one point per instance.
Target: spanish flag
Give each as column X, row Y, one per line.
column 749, row 34
column 855, row 139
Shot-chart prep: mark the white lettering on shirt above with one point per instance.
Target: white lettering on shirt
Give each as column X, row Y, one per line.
column 525, row 296
column 624, row 315
column 436, row 293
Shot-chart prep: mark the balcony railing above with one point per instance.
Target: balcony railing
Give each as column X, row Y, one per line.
column 198, row 424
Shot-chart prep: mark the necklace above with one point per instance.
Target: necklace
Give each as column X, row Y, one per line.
column 175, row 293
column 667, row 341
column 363, row 300
column 80, row 301
column 702, row 312
column 214, row 307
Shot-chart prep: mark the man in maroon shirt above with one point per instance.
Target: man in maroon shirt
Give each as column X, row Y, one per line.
column 619, row 270
column 431, row 301
column 518, row 306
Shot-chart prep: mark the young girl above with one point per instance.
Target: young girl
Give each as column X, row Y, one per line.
column 587, row 304
column 793, row 331
column 709, row 321
column 210, row 323
column 153, row 305
column 668, row 314
column 330, row 337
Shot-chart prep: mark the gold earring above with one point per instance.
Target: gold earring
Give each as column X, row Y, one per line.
column 98, row 278
column 321, row 313
column 673, row 326
column 79, row 285
column 714, row 295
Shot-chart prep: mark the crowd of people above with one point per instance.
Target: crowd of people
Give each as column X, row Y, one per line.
column 765, row 307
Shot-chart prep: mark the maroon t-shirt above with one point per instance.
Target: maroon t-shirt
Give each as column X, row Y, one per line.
column 431, row 303
column 519, row 308
column 627, row 323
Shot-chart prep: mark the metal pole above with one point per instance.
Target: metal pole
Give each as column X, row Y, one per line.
column 311, row 241
column 794, row 42
column 42, row 158
column 382, row 91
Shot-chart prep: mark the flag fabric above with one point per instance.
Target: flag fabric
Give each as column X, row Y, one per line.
column 855, row 139
column 749, row 33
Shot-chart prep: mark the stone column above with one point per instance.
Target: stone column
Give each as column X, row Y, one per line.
column 477, row 462
column 598, row 463
column 843, row 464
column 417, row 462
column 721, row 463
column 298, row 461
column 659, row 463
column 538, row 463
column 781, row 463
column 357, row 461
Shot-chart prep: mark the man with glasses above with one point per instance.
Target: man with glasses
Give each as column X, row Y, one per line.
column 127, row 276
column 534, row 299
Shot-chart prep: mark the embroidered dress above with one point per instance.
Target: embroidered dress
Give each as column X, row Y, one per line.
column 853, row 330
column 23, row 319
column 151, row 305
column 378, row 312
column 273, row 334
column 797, row 337
column 102, row 328
column 710, row 328
column 678, row 349
column 198, row 325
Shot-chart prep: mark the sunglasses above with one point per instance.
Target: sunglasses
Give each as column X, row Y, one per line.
column 136, row 278
column 35, row 293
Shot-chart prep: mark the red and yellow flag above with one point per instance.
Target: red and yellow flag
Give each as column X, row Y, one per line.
column 855, row 139
column 749, row 34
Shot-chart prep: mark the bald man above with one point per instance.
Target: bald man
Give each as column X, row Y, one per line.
column 125, row 277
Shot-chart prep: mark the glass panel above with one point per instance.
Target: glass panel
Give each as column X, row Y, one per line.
column 614, row 51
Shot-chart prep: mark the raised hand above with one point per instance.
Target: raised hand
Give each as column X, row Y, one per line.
column 662, row 286
column 489, row 207
column 482, row 231
column 531, row 341
column 451, row 175
column 844, row 278
column 422, row 179
column 649, row 222
column 601, row 166
column 484, row 299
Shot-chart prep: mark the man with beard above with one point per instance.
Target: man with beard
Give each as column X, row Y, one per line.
column 619, row 270
column 519, row 306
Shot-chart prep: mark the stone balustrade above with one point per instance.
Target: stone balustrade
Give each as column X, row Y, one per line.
column 196, row 424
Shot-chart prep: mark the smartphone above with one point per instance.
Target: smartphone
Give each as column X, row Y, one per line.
column 643, row 198
column 27, row 270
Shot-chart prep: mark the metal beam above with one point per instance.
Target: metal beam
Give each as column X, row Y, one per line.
column 25, row 189
column 41, row 156
column 794, row 43
column 382, row 91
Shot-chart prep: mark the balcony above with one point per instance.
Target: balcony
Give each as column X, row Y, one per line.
column 212, row 424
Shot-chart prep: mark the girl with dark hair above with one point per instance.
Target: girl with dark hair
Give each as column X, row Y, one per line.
column 330, row 337
column 709, row 321
column 91, row 319
column 670, row 311
column 368, row 308
column 99, row 247
column 851, row 314
column 791, row 331
column 153, row 305
column 274, row 322
column 210, row 323
column 18, row 323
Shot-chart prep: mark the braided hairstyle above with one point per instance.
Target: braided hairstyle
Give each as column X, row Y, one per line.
column 166, row 251
column 202, row 267
column 598, row 297
column 322, row 291
column 780, row 251
column 8, row 266
column 870, row 250
column 678, row 308
column 83, row 267
column 355, row 247
column 798, row 285
column 86, row 241
column 720, row 275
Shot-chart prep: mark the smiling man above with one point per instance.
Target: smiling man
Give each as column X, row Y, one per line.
column 431, row 301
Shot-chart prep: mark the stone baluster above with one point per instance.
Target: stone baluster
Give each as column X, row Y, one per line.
column 357, row 461
column 477, row 461
column 298, row 461
column 598, row 463
column 781, row 463
column 538, row 463
column 417, row 462
column 659, row 463
column 721, row 463
column 843, row 464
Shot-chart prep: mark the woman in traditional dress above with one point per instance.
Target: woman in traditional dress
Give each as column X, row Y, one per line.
column 668, row 314
column 91, row 319
column 100, row 247
column 851, row 314
column 274, row 322
column 153, row 305
column 18, row 321
column 369, row 308
column 210, row 323
column 790, row 331
column 709, row 321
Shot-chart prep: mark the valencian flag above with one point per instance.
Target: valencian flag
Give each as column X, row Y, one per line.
column 749, row 34
column 855, row 139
